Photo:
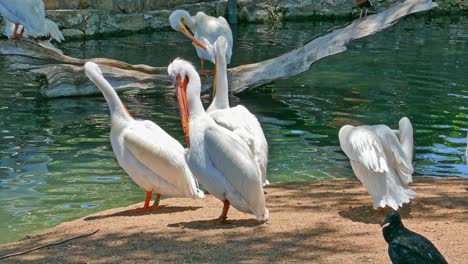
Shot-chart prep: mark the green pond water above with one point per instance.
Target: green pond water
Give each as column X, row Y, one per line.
column 56, row 162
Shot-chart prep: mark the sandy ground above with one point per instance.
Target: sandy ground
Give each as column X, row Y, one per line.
column 315, row 222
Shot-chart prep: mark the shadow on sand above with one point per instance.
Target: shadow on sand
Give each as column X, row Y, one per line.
column 161, row 210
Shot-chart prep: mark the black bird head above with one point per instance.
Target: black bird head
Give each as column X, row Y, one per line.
column 392, row 226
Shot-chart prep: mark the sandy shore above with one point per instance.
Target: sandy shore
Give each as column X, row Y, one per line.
column 315, row 222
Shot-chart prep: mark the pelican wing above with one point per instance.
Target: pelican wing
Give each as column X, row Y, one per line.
column 162, row 154
column 398, row 157
column 240, row 121
column 374, row 182
column 363, row 146
column 54, row 31
column 233, row 158
column 32, row 14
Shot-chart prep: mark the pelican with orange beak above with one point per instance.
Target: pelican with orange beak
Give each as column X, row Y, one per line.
column 217, row 157
column 152, row 158
column 206, row 30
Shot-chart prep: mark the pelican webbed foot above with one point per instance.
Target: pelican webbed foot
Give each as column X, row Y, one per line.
column 146, row 207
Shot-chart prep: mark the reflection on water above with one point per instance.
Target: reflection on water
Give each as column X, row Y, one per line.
column 57, row 164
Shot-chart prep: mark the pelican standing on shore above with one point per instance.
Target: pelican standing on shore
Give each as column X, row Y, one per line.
column 151, row 157
column 237, row 119
column 27, row 13
column 206, row 29
column 219, row 158
column 382, row 158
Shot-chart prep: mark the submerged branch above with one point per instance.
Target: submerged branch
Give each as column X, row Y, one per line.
column 64, row 75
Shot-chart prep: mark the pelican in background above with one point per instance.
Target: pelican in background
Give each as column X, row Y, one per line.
column 382, row 158
column 237, row 119
column 151, row 157
column 364, row 5
column 52, row 29
column 218, row 158
column 206, row 30
column 27, row 13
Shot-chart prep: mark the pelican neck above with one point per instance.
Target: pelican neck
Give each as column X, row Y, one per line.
column 117, row 109
column 194, row 104
column 221, row 99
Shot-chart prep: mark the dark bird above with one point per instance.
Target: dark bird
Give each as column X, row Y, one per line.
column 364, row 5
column 407, row 247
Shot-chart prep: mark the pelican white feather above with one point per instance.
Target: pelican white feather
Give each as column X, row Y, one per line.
column 151, row 157
column 28, row 13
column 237, row 119
column 382, row 160
column 52, row 29
column 219, row 158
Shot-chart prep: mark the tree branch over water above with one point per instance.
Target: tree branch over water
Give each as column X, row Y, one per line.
column 64, row 75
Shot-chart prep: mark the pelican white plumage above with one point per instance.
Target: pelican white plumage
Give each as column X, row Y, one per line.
column 151, row 157
column 218, row 158
column 238, row 119
column 52, row 29
column 382, row 158
column 28, row 13
column 206, row 30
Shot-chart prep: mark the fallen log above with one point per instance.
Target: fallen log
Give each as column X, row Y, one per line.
column 64, row 75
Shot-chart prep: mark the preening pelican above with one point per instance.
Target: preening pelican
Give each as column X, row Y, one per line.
column 206, row 30
column 52, row 29
column 218, row 158
column 28, row 13
column 382, row 158
column 237, row 119
column 151, row 157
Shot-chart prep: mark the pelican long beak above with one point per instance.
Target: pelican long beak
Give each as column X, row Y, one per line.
column 181, row 91
column 188, row 35
column 214, row 81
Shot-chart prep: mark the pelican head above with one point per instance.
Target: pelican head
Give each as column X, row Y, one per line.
column 116, row 107
column 220, row 49
column 93, row 72
column 183, row 75
column 180, row 20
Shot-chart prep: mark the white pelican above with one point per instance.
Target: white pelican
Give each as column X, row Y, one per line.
column 52, row 29
column 28, row 13
column 237, row 119
column 381, row 159
column 219, row 158
column 206, row 29
column 153, row 159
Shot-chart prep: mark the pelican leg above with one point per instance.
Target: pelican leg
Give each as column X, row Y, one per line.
column 360, row 16
column 222, row 219
column 156, row 202
column 146, row 206
column 15, row 34
column 22, row 32
column 366, row 13
column 202, row 66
